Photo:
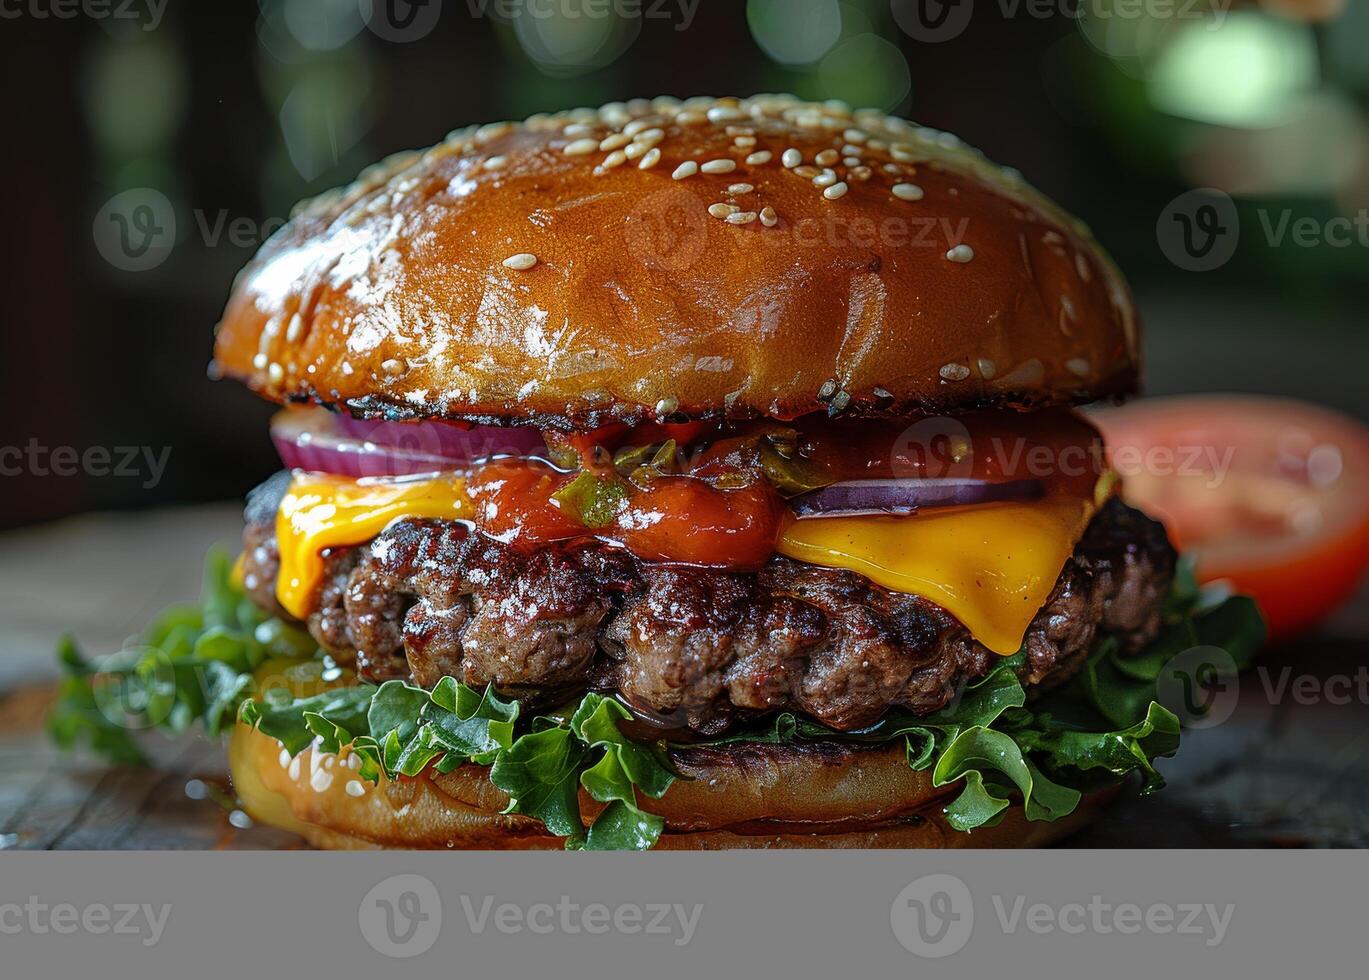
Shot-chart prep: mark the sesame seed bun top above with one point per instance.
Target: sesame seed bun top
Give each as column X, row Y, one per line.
column 738, row 257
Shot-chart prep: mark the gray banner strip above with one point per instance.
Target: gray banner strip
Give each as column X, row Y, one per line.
column 748, row 914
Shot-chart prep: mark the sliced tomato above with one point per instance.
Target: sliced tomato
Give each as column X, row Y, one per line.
column 1271, row 495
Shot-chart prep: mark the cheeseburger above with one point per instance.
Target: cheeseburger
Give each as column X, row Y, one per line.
column 686, row 474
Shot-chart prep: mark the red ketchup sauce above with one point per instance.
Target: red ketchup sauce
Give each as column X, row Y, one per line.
column 719, row 510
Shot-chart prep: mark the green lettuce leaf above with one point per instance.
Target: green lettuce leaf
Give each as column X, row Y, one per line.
column 196, row 664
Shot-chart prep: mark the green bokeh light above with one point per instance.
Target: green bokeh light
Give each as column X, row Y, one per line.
column 1249, row 72
column 865, row 70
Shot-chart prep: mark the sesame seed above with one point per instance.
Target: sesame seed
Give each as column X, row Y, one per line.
column 855, row 136
column 723, row 209
column 1077, row 365
column 634, row 150
column 960, row 253
column 836, row 190
column 907, row 192
column 520, row 261
column 739, row 188
column 851, row 161
column 741, row 218
column 851, row 150
column 614, row 159
column 650, row 136
column 954, row 372
column 687, row 169
column 614, row 141
column 649, row 159
column 760, row 156
column 744, row 142
column 768, row 217
column 579, row 148
column 719, row 166
column 825, row 179
column 722, row 114
column 275, row 372
column 691, row 118
column 826, row 158
column 667, row 406
column 807, row 171
column 791, row 158
column 577, row 129
column 903, row 153
column 392, row 366
column 859, row 173
column 355, row 787
column 259, row 362
column 295, row 328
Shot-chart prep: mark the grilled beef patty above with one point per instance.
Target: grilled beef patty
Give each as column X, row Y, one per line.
column 691, row 647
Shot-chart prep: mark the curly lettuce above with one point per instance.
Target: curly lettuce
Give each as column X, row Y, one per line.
column 205, row 665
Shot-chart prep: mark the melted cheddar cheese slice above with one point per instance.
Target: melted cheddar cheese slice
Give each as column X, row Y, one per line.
column 320, row 511
column 992, row 566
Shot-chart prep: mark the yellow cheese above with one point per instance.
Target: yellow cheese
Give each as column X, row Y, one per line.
column 992, row 566
column 320, row 511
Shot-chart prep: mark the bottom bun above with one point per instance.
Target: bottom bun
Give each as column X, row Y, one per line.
column 747, row 795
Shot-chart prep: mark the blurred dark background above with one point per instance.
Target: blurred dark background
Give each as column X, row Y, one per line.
column 197, row 125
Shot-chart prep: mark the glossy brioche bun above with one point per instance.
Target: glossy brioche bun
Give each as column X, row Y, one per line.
column 928, row 279
column 739, row 796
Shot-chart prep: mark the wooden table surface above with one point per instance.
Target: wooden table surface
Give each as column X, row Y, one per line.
column 1274, row 774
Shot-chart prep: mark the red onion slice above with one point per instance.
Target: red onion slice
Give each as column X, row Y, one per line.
column 318, row 440
column 871, row 497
